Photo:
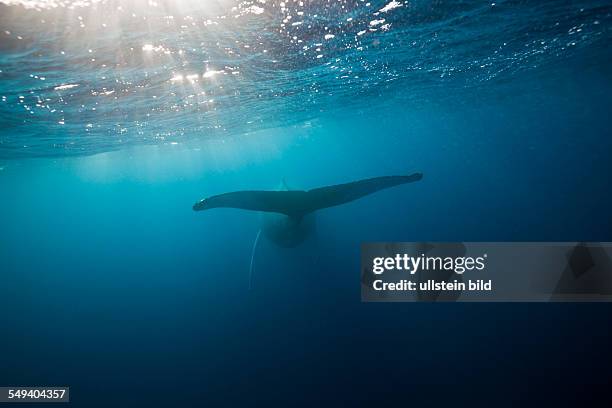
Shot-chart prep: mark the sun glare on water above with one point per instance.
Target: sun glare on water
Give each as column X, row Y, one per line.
column 88, row 74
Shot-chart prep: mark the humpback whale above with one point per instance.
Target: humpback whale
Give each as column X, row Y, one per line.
column 289, row 214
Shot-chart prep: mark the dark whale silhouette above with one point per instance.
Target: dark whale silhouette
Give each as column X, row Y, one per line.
column 294, row 208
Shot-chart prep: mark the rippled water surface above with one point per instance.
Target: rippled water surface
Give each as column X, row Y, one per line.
column 80, row 77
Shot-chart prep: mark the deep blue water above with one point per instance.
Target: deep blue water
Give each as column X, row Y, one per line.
column 117, row 116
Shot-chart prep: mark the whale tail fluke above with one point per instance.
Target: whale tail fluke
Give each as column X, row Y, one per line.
column 299, row 203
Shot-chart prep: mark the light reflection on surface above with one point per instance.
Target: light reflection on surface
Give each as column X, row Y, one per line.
column 87, row 76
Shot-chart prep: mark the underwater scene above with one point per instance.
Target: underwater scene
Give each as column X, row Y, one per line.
column 119, row 118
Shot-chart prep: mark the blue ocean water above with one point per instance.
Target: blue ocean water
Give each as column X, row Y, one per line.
column 117, row 116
